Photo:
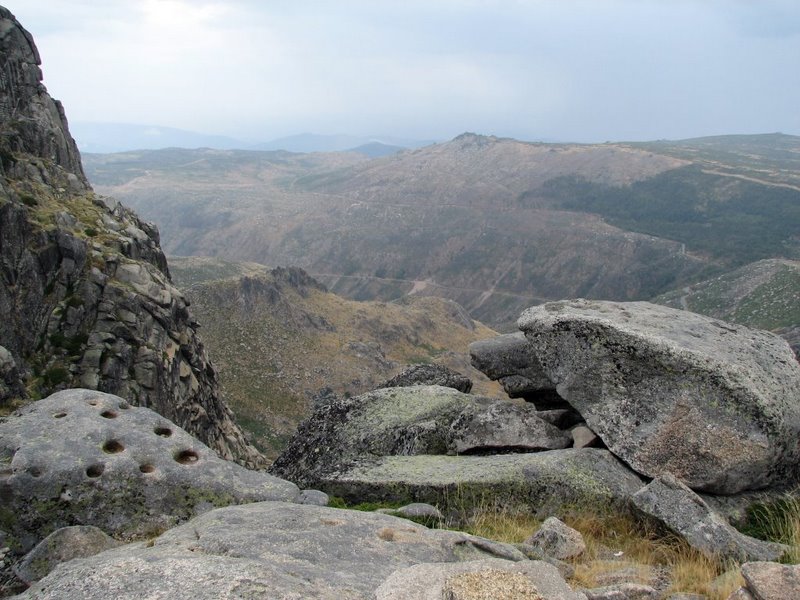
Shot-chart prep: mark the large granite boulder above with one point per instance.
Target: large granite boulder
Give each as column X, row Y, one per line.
column 268, row 550
column 771, row 581
column 717, row 405
column 405, row 421
column 673, row 505
column 82, row 457
column 511, row 360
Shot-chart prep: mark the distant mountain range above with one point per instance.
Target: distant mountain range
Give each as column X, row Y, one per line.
column 121, row 137
column 494, row 224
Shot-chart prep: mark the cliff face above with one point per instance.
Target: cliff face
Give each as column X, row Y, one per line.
column 85, row 292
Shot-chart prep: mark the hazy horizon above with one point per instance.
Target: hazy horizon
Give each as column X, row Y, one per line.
column 579, row 71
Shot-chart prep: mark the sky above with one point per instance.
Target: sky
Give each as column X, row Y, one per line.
column 553, row 70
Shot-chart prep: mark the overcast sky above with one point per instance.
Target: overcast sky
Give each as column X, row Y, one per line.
column 569, row 70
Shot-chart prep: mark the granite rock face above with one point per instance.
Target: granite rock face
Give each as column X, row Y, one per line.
column 267, row 550
column 675, row 506
column 83, row 281
column 429, row 374
column 771, row 581
column 715, row 404
column 405, row 421
column 82, row 457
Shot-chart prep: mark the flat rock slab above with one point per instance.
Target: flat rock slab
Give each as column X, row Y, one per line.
column 89, row 458
column 715, row 404
column 264, row 550
column 543, row 482
column 511, row 355
column 674, row 505
column 429, row 374
column 477, row 580
column 406, row 421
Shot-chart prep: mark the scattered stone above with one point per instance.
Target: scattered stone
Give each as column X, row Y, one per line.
column 771, row 581
column 555, row 538
column 60, row 546
column 419, row 510
column 313, row 497
column 670, row 391
column 675, row 506
column 429, row 374
column 622, row 591
column 487, row 579
column 89, row 458
column 682, row 596
column 583, row 437
column 266, row 550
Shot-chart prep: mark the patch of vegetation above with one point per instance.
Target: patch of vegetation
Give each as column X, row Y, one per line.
column 90, row 231
column 28, row 200
column 777, row 521
column 730, row 219
column 55, row 376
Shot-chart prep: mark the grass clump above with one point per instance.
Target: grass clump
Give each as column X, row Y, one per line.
column 776, row 521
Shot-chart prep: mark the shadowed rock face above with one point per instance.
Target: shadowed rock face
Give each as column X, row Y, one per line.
column 84, row 286
column 715, row 404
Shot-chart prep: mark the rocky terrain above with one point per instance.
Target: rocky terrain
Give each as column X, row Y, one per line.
column 85, row 287
column 679, row 422
column 281, row 341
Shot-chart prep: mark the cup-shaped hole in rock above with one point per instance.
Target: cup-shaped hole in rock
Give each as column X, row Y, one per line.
column 34, row 471
column 109, row 414
column 95, row 470
column 124, row 405
column 147, row 468
column 163, row 431
column 92, row 402
column 113, row 447
column 187, row 457
column 59, row 415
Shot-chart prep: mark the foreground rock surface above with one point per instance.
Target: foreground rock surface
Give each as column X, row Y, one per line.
column 543, row 482
column 87, row 458
column 669, row 391
column 677, row 507
column 771, row 581
column 477, row 580
column 266, row 550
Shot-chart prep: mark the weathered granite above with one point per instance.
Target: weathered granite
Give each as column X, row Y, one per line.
column 771, row 581
column 557, row 540
column 543, row 482
column 475, row 580
column 82, row 457
column 78, row 541
column 265, row 550
column 715, row 404
column 429, row 374
column 677, row 507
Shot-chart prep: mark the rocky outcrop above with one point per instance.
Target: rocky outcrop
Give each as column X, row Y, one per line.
column 82, row 457
column 10, row 381
column 669, row 391
column 429, row 374
column 673, row 505
column 271, row 550
column 84, row 283
column 407, row 421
